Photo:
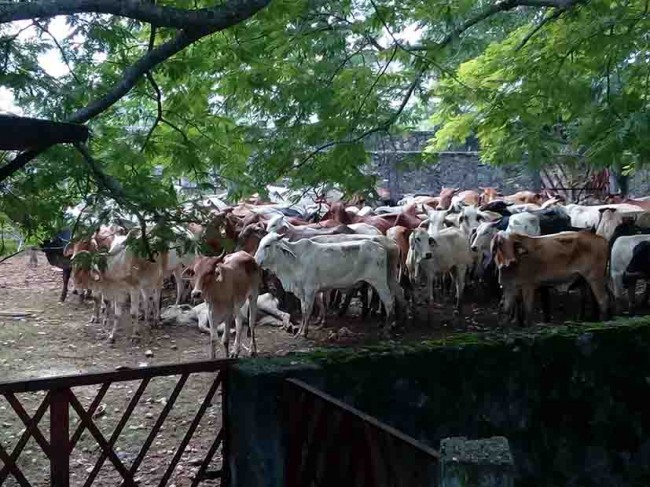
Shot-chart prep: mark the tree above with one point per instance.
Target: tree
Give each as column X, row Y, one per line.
column 567, row 81
column 243, row 92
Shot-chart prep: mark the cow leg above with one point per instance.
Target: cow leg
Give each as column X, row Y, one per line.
column 646, row 294
column 618, row 289
column 307, row 305
column 631, row 297
column 66, row 279
column 118, row 307
column 528, row 298
column 97, row 304
column 252, row 321
column 545, row 298
column 599, row 289
column 180, row 285
column 387, row 299
column 239, row 325
column 349, row 294
column 322, row 309
column 225, row 338
column 155, row 297
column 135, row 315
column 430, row 278
column 461, row 272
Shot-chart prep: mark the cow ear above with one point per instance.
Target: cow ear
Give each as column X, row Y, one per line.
column 218, row 275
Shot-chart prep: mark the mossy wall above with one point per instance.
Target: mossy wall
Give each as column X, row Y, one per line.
column 574, row 402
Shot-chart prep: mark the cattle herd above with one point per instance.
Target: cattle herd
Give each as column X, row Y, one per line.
column 517, row 248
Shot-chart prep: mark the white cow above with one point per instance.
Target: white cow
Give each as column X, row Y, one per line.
column 447, row 251
column 306, row 267
column 524, row 223
column 589, row 216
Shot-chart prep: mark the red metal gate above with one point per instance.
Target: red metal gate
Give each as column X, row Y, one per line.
column 332, row 444
column 62, row 402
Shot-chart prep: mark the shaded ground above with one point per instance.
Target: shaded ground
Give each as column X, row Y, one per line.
column 40, row 337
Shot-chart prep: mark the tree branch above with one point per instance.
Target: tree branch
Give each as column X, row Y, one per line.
column 114, row 188
column 549, row 18
column 213, row 18
column 237, row 10
column 156, row 88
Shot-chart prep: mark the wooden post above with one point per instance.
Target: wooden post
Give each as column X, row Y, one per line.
column 473, row 463
column 60, row 438
column 225, row 425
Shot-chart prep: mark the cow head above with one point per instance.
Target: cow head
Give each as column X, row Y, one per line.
column 206, row 273
column 446, row 194
column 489, row 194
column 250, row 237
column 481, row 237
column 507, row 248
column 276, row 223
column 272, row 249
column 421, row 246
column 470, row 218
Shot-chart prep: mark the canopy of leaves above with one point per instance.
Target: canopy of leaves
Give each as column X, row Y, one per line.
column 288, row 95
column 575, row 81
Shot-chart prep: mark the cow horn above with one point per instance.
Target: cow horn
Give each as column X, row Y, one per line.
column 222, row 254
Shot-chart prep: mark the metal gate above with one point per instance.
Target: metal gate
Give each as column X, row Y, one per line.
column 333, row 444
column 67, row 414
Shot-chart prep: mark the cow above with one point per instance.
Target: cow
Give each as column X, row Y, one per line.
column 56, row 257
column 589, row 216
column 279, row 224
column 447, row 251
column 622, row 253
column 525, row 197
column 524, row 223
column 307, row 267
column 446, row 195
column 226, row 283
column 119, row 276
column 489, row 194
column 611, row 219
column 466, row 198
column 638, row 268
column 527, row 263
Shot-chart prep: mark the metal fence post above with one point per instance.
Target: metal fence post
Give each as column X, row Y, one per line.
column 60, row 438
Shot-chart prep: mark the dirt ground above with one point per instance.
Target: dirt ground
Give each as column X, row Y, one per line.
column 40, row 337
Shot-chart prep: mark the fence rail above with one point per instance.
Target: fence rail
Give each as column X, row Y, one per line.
column 60, row 399
column 331, row 443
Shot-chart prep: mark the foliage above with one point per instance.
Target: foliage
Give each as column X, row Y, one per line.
column 580, row 84
column 289, row 94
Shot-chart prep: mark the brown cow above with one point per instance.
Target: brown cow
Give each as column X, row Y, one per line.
column 468, row 197
column 446, row 194
column 525, row 197
column 226, row 283
column 527, row 263
column 489, row 194
column 250, row 236
column 340, row 216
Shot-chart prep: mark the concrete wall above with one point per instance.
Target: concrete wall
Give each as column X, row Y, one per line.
column 574, row 403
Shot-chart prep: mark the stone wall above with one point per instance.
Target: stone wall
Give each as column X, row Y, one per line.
column 574, row 402
column 402, row 167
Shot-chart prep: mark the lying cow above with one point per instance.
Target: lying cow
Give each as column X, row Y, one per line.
column 528, row 263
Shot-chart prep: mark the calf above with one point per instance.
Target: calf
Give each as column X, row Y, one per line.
column 226, row 284
column 527, row 263
column 306, row 267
